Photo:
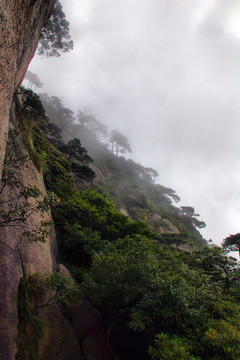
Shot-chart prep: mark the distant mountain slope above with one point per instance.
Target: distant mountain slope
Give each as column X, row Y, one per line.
column 128, row 184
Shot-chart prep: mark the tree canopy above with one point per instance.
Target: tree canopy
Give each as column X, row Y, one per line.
column 232, row 243
column 189, row 213
column 55, row 37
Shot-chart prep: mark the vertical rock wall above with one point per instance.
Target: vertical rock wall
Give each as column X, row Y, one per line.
column 18, row 255
column 21, row 22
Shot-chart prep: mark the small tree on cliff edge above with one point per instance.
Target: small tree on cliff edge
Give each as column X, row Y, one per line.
column 189, row 212
column 119, row 142
column 232, row 243
column 55, row 35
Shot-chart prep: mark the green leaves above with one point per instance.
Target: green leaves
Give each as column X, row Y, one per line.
column 86, row 222
column 117, row 275
column 223, row 338
column 170, row 348
column 140, row 287
column 221, row 268
column 135, row 276
column 149, row 289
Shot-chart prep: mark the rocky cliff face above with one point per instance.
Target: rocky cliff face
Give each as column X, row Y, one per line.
column 18, row 255
column 161, row 225
column 21, row 22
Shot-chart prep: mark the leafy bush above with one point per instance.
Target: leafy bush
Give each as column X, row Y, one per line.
column 86, row 221
column 223, row 339
column 170, row 348
column 148, row 289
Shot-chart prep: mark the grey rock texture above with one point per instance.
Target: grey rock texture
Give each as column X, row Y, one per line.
column 161, row 225
column 21, row 22
column 72, row 333
column 19, row 256
column 85, row 323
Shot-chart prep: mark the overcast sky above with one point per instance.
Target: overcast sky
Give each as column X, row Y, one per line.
column 166, row 73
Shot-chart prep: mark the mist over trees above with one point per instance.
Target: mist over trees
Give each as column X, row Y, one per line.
column 100, row 140
column 95, row 127
column 59, row 114
column 119, row 143
column 33, row 80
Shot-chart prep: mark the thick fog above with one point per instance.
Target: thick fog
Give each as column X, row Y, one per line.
column 166, row 73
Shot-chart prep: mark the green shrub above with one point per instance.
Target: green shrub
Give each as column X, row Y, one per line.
column 223, row 339
column 170, row 348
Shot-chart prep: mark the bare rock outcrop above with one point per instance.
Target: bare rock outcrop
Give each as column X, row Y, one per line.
column 102, row 173
column 161, row 225
column 124, row 212
column 21, row 22
column 73, row 333
column 85, row 323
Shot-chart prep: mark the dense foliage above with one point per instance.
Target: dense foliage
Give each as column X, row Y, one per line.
column 143, row 290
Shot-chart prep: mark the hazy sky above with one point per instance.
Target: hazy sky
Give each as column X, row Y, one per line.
column 166, row 73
